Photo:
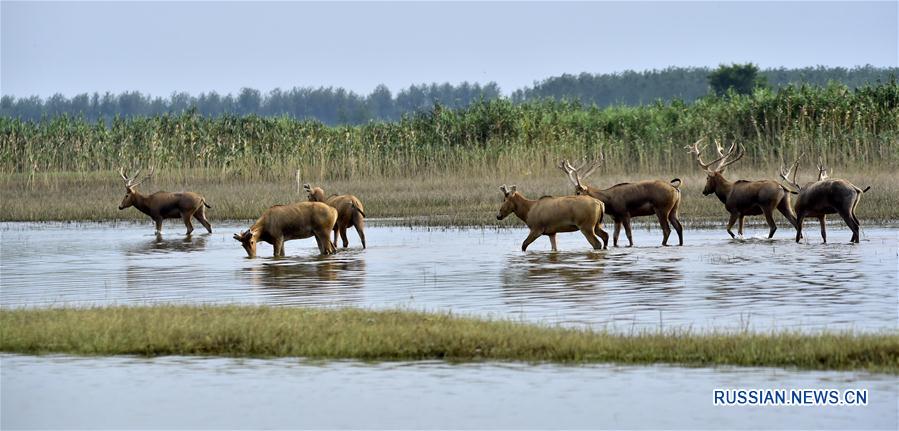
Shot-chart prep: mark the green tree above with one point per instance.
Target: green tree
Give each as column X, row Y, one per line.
column 742, row 78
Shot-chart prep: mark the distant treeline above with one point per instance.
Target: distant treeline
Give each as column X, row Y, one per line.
column 334, row 106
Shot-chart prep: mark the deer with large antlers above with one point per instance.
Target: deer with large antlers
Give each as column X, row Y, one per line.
column 822, row 197
column 162, row 205
column 549, row 215
column 626, row 200
column 742, row 198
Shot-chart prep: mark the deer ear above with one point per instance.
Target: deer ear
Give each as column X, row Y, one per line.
column 513, row 189
column 238, row 237
column 307, row 186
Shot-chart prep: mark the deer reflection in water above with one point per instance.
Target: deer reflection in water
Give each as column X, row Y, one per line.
column 335, row 280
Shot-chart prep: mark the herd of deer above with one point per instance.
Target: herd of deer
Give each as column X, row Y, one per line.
column 583, row 212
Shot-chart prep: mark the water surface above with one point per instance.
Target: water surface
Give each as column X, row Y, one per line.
column 711, row 282
column 195, row 393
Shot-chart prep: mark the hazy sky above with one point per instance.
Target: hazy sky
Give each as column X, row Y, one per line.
column 161, row 47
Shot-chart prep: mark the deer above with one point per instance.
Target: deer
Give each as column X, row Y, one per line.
column 350, row 212
column 162, row 205
column 822, row 197
column 626, row 200
column 281, row 223
column 742, row 198
column 550, row 215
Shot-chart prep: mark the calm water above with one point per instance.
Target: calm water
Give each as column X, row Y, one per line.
column 192, row 393
column 712, row 282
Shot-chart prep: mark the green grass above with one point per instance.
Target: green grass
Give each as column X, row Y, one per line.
column 469, row 197
column 243, row 331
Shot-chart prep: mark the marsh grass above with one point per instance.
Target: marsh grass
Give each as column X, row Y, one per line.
column 244, row 331
column 460, row 198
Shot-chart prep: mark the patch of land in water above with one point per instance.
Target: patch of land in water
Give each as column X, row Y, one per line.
column 348, row 333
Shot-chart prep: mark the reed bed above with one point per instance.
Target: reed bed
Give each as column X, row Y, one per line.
column 407, row 335
column 469, row 198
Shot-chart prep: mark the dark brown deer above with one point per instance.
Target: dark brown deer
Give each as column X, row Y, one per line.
column 626, row 200
column 350, row 212
column 282, row 223
column 549, row 215
column 742, row 198
column 822, row 197
column 162, row 205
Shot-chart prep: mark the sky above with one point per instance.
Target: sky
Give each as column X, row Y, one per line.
column 164, row 47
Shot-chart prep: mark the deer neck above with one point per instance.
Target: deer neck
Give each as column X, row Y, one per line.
column 141, row 202
column 522, row 207
column 723, row 188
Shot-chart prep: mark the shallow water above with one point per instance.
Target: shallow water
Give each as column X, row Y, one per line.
column 711, row 282
column 193, row 393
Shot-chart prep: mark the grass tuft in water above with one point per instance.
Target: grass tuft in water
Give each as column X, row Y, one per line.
column 242, row 331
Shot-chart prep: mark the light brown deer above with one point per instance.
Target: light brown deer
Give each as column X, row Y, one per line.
column 626, row 200
column 282, row 223
column 549, row 215
column 162, row 205
column 350, row 212
column 822, row 197
column 742, row 198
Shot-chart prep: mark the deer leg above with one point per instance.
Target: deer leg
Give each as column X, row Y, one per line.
column 190, row 227
column 158, row 221
column 666, row 231
column 588, row 233
column 336, row 230
column 200, row 215
column 730, row 224
column 617, row 231
column 627, row 230
column 279, row 247
column 799, row 220
column 769, row 217
column 823, row 228
column 325, row 245
column 360, row 225
column 531, row 238
column 602, row 234
column 740, row 229
column 552, row 241
column 784, row 209
column 672, row 217
column 346, row 242
column 852, row 225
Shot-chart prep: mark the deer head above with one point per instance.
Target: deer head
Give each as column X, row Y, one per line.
column 508, row 203
column 131, row 184
column 713, row 170
column 822, row 170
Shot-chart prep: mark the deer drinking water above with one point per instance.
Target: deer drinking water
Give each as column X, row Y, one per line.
column 282, row 223
column 549, row 215
column 162, row 205
column 822, row 197
column 350, row 212
column 626, row 200
column 742, row 198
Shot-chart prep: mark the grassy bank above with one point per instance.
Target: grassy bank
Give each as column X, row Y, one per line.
column 405, row 335
column 460, row 198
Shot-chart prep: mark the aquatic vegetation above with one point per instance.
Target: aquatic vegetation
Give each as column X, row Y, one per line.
column 407, row 335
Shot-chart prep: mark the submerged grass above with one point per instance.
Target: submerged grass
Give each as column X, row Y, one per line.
column 468, row 197
column 243, row 331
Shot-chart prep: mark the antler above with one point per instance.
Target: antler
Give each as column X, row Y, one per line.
column 696, row 151
column 785, row 174
column 130, row 182
column 574, row 174
column 822, row 170
column 726, row 158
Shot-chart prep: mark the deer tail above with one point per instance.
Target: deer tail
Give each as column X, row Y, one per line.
column 358, row 208
column 866, row 189
column 206, row 204
column 676, row 183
